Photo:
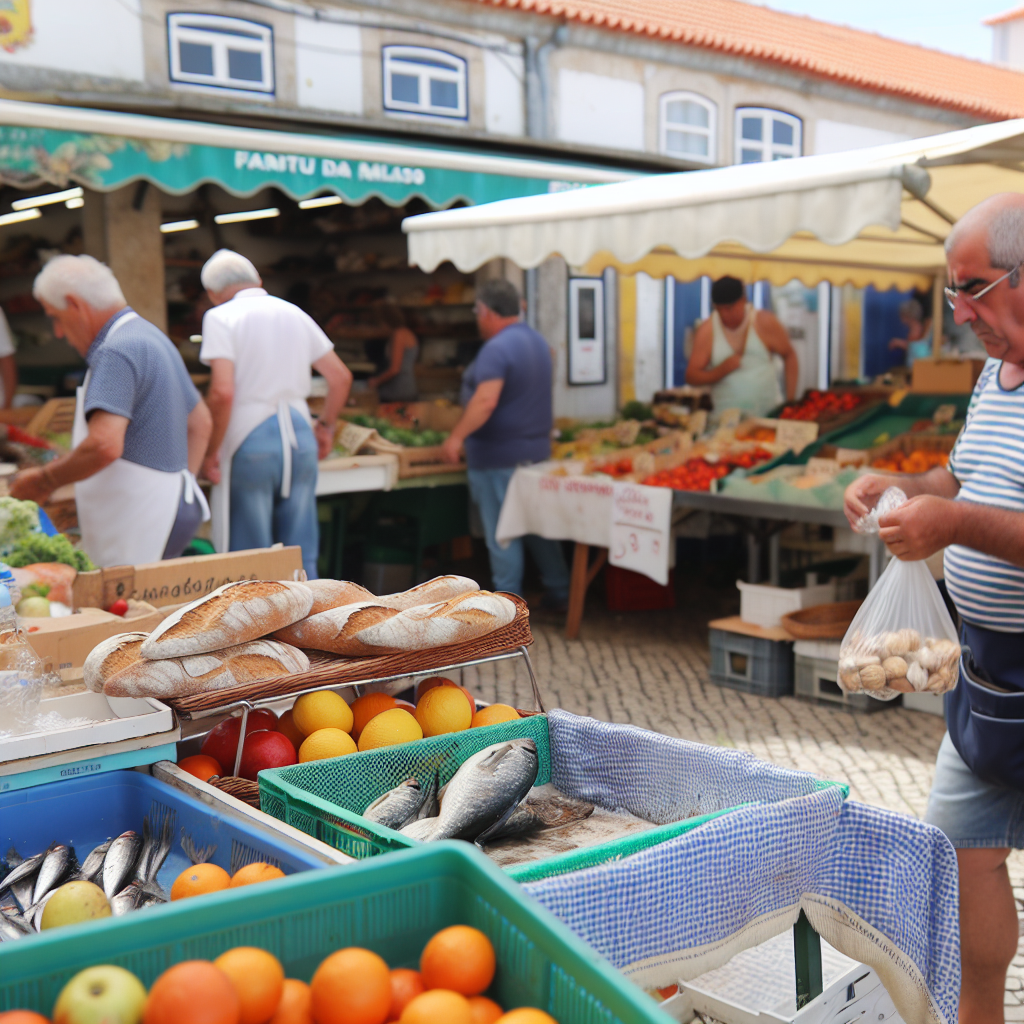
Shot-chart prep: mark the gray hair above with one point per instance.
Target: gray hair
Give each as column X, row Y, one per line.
column 82, row 276
column 226, row 268
column 1005, row 240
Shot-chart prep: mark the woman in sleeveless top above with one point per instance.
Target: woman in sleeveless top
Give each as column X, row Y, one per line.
column 397, row 383
column 733, row 350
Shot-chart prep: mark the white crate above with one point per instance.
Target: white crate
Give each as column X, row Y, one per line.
column 765, row 605
column 932, row 703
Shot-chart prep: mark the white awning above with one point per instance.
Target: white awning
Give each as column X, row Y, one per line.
column 875, row 215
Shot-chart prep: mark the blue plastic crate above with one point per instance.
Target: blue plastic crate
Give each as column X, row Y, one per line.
column 84, row 812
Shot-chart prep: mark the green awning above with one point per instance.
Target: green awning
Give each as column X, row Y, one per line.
column 52, row 145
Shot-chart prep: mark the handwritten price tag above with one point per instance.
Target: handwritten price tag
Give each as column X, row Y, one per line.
column 641, row 530
column 796, row 434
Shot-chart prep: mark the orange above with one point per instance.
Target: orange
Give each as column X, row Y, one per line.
column 443, row 709
column 388, row 729
column 323, row 709
column 202, row 766
column 193, row 992
column 286, row 725
column 366, row 707
column 437, row 1006
column 261, row 871
column 23, row 1017
column 258, row 978
column 494, row 714
column 430, row 683
column 459, row 958
column 406, row 985
column 326, row 743
column 483, row 1010
column 296, row 1006
column 199, row 879
column 352, row 986
column 526, row 1015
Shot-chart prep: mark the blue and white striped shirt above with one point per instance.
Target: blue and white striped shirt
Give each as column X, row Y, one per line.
column 988, row 461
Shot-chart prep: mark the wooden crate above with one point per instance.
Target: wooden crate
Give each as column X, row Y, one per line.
column 57, row 416
column 413, row 462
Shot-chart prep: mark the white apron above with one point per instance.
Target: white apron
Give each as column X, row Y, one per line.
column 126, row 511
column 245, row 418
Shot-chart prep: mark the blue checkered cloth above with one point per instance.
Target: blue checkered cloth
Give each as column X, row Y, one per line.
column 670, row 912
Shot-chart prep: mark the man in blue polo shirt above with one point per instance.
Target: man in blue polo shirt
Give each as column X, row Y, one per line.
column 141, row 428
column 506, row 394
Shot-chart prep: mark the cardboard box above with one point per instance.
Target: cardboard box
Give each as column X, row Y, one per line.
column 65, row 643
column 945, row 376
column 179, row 580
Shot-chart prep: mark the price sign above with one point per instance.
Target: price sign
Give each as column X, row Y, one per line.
column 641, row 529
column 796, row 434
column 730, row 418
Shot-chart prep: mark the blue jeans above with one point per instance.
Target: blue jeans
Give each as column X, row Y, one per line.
column 488, row 487
column 259, row 515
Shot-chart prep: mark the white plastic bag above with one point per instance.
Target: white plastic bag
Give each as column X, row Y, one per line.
column 902, row 633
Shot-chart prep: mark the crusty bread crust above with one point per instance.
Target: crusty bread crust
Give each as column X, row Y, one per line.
column 335, row 593
column 201, row 673
column 109, row 657
column 233, row 614
column 440, row 588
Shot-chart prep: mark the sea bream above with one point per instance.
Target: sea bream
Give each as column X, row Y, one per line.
column 398, row 806
column 482, row 794
column 120, row 861
column 21, row 879
column 57, row 864
column 93, row 864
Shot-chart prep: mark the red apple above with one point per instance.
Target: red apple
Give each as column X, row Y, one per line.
column 222, row 742
column 265, row 749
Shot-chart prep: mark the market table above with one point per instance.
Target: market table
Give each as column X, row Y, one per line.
column 345, row 474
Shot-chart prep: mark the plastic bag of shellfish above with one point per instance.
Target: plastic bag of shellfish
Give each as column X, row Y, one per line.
column 902, row 639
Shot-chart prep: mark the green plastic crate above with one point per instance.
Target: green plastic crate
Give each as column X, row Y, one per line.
column 325, row 798
column 391, row 905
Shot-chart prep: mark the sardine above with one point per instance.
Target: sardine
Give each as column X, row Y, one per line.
column 127, row 899
column 486, row 789
column 26, row 869
column 57, row 863
column 93, row 864
column 22, row 891
column 120, row 862
column 34, row 914
column 149, row 843
column 398, row 806
column 9, row 931
column 537, row 813
column 12, row 916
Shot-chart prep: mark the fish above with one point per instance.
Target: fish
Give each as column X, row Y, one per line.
column 196, row 854
column 486, row 789
column 537, row 813
column 26, row 869
column 9, row 931
column 58, row 862
column 421, row 829
column 431, row 802
column 150, row 895
column 149, row 842
column 120, row 862
column 12, row 916
column 34, row 914
column 398, row 806
column 93, row 864
column 163, row 847
column 127, row 899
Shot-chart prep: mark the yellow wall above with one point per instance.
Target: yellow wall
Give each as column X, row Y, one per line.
column 627, row 338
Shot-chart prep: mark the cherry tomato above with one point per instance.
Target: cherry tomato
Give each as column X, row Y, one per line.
column 119, row 607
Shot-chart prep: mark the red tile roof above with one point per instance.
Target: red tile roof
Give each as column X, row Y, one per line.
column 1011, row 15
column 844, row 55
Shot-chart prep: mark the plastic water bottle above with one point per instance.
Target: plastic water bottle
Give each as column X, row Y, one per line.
column 21, row 672
column 8, row 580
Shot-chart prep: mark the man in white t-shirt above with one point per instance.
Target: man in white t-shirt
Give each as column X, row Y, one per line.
column 8, row 371
column 263, row 452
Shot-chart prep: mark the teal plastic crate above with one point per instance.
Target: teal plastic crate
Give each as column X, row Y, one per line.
column 391, row 905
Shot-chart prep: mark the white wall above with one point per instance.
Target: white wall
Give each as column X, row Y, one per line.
column 504, row 100
column 649, row 357
column 600, row 111
column 328, row 65
column 1008, row 43
column 91, row 37
column 837, row 137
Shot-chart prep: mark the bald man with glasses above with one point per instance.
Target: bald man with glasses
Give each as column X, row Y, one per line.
column 974, row 510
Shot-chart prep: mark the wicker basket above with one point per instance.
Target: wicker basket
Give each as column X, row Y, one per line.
column 241, row 789
column 821, row 621
column 331, row 670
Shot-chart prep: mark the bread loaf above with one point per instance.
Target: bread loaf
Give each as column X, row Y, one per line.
column 109, row 656
column 233, row 614
column 335, row 593
column 440, row 588
column 368, row 629
column 201, row 673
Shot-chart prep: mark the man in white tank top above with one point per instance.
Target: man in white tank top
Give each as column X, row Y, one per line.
column 733, row 350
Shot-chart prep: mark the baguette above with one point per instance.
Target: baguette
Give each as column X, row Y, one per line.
column 233, row 614
column 110, row 656
column 369, row 629
column 440, row 588
column 202, row 673
column 334, row 593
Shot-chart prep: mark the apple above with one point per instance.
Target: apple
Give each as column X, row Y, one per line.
column 74, row 902
column 265, row 748
column 101, row 995
column 222, row 742
column 33, row 608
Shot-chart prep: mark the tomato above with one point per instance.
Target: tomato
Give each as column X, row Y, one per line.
column 119, row 607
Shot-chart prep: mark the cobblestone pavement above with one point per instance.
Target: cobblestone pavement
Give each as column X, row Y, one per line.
column 651, row 670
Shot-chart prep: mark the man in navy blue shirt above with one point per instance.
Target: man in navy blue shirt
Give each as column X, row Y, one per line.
column 506, row 394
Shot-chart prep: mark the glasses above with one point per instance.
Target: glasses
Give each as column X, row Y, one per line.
column 952, row 294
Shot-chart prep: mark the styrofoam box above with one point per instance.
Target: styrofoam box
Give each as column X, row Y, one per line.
column 113, row 719
column 764, row 605
column 933, row 703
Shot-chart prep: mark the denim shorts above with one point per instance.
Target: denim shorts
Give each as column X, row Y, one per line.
column 971, row 812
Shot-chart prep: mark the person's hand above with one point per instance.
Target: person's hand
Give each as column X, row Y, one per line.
column 918, row 528
column 451, row 449
column 31, row 485
column 863, row 494
column 324, row 439
column 210, row 470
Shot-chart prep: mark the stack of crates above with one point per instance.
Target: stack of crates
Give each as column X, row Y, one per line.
column 816, row 670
